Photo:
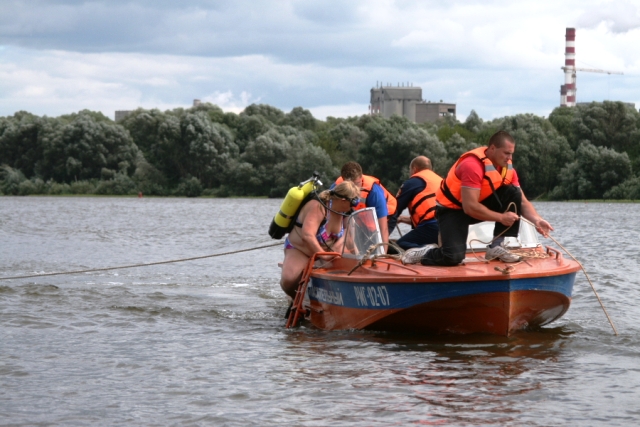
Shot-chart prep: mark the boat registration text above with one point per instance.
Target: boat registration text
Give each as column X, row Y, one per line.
column 372, row 296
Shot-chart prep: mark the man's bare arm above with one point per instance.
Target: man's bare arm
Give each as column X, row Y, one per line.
column 384, row 229
column 530, row 213
column 472, row 207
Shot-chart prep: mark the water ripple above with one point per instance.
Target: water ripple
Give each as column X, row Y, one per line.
column 203, row 343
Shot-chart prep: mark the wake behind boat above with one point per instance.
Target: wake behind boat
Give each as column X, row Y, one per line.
column 362, row 288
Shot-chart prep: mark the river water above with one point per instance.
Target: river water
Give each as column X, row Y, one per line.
column 202, row 342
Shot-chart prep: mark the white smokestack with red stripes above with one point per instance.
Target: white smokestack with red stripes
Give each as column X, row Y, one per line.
column 568, row 89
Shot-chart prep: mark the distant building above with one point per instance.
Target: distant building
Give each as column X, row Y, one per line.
column 407, row 101
column 121, row 114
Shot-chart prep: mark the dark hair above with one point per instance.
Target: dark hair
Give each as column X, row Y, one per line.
column 351, row 171
column 498, row 139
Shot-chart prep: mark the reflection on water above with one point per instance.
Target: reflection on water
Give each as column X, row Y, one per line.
column 466, row 380
column 203, row 342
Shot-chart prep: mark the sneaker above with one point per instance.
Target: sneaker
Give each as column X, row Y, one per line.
column 414, row 255
column 501, row 253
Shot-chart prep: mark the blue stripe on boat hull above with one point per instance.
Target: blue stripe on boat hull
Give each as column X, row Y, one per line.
column 404, row 295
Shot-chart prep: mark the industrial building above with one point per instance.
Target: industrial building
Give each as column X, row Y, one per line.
column 407, row 101
column 121, row 114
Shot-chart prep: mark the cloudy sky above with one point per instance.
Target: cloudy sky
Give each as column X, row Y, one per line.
column 496, row 57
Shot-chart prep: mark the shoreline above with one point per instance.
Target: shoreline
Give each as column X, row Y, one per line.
column 135, row 196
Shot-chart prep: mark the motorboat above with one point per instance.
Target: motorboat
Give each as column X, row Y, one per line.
column 363, row 288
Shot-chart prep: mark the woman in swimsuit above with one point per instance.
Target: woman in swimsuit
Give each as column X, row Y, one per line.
column 316, row 229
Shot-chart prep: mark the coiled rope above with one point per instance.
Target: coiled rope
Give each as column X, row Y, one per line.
column 485, row 260
column 141, row 265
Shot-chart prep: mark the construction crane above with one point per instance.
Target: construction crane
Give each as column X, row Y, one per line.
column 593, row 70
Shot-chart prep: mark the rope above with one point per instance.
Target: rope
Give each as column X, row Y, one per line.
column 512, row 267
column 370, row 255
column 492, row 240
column 615, row 331
column 141, row 265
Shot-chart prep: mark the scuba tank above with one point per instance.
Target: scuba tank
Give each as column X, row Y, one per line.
column 283, row 221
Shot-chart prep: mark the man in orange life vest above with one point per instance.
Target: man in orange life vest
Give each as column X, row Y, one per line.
column 418, row 193
column 481, row 186
column 373, row 194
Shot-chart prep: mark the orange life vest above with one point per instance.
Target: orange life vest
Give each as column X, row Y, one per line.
column 449, row 194
column 423, row 206
column 367, row 184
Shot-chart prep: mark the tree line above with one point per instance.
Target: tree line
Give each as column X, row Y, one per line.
column 585, row 152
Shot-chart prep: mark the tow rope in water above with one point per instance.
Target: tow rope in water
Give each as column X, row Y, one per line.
column 141, row 265
column 615, row 331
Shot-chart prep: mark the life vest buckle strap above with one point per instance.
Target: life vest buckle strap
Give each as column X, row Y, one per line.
column 431, row 209
column 449, row 195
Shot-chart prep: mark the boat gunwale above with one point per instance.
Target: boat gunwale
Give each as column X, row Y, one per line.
column 442, row 274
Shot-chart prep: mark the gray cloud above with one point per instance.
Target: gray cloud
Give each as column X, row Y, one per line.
column 333, row 33
column 497, row 57
column 327, row 14
column 619, row 17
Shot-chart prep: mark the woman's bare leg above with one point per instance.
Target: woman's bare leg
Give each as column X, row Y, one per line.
column 292, row 268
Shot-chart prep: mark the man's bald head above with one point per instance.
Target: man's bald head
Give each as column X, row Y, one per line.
column 420, row 163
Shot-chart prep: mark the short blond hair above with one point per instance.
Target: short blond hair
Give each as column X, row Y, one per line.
column 345, row 190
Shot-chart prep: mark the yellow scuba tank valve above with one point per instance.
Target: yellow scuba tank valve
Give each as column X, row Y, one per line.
column 283, row 221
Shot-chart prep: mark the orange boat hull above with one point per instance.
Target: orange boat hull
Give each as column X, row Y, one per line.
column 475, row 297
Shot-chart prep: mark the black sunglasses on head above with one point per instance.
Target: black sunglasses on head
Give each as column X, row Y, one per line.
column 354, row 202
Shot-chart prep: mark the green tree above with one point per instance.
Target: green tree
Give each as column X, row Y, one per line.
column 10, row 180
column 85, row 147
column 302, row 160
column 629, row 190
column 276, row 161
column 206, row 148
column 456, row 146
column 267, row 112
column 300, row 118
column 251, row 127
column 214, row 112
column 540, row 152
column 446, row 131
column 263, row 154
column 473, row 123
column 148, row 128
column 562, row 118
column 595, row 171
column 184, row 144
column 390, row 146
column 21, row 141
column 608, row 124
column 342, row 141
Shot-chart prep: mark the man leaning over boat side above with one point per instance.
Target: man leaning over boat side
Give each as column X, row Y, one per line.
column 481, row 186
column 372, row 195
column 418, row 194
